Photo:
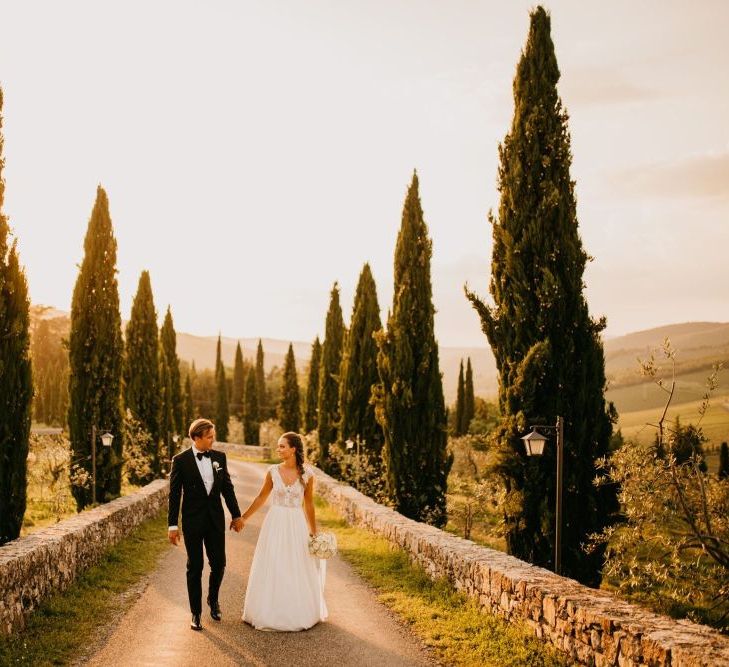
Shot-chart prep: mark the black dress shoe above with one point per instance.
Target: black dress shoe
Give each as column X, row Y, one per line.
column 215, row 611
column 195, row 623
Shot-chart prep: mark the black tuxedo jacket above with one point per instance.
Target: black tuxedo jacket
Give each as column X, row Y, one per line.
column 200, row 509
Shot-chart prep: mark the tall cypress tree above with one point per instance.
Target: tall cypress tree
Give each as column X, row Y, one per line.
column 168, row 340
column 239, row 383
column 289, row 409
column 331, row 361
column 312, row 388
column 469, row 399
column 95, row 354
column 222, row 413
column 724, row 461
column 188, row 408
column 460, row 403
column 16, row 382
column 548, row 349
column 263, row 411
column 251, row 418
column 167, row 418
column 141, row 366
column 409, row 398
column 359, row 369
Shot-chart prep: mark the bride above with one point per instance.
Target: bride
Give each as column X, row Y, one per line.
column 286, row 584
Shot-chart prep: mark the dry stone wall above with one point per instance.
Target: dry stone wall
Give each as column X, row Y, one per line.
column 591, row 626
column 36, row 566
column 251, row 451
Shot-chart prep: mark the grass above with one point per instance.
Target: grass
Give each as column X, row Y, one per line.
column 61, row 629
column 645, row 395
column 715, row 423
column 444, row 619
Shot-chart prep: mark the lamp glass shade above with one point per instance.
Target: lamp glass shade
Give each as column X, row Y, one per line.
column 106, row 439
column 534, row 443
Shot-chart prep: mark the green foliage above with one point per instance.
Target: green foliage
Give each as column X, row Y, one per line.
column 686, row 442
column 239, row 384
column 724, row 461
column 188, row 409
column 548, row 349
column 252, row 416
column 222, row 413
column 16, row 381
column 460, row 404
column 142, row 391
column 49, row 354
column 671, row 549
column 138, row 443
column 168, row 340
column 486, row 417
column 409, row 398
column 95, row 352
column 167, row 420
column 289, row 408
column 359, row 371
column 469, row 400
column 312, row 388
column 263, row 406
column 331, row 361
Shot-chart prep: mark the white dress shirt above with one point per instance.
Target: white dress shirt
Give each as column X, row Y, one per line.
column 205, row 466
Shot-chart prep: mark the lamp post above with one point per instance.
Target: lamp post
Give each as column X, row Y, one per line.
column 534, row 443
column 106, row 439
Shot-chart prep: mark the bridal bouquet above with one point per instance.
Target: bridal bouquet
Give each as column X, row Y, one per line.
column 323, row 545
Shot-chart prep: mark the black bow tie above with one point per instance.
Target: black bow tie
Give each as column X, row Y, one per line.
column 201, row 454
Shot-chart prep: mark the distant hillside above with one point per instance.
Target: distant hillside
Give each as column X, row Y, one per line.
column 699, row 345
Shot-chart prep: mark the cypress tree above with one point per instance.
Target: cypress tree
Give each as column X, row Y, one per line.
column 359, row 369
column 222, row 413
column 95, row 355
column 312, row 387
column 460, row 403
column 167, row 419
column 469, row 399
column 16, row 381
column 251, row 418
column 141, row 367
column 724, row 461
column 261, row 384
column 168, row 339
column 548, row 349
column 409, row 398
column 331, row 360
column 289, row 409
column 188, row 409
column 239, row 383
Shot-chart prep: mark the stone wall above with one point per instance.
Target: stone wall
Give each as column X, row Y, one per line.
column 35, row 567
column 593, row 627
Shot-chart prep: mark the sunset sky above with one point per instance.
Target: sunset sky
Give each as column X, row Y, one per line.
column 255, row 152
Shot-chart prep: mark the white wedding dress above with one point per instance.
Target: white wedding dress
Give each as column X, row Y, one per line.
column 286, row 584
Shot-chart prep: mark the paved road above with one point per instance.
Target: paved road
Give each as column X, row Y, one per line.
column 156, row 629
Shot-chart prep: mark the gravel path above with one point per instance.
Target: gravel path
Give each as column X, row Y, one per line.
column 156, row 629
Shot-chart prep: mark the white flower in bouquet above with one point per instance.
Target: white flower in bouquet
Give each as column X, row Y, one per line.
column 323, row 545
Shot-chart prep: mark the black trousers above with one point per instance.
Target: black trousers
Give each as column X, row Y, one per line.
column 214, row 541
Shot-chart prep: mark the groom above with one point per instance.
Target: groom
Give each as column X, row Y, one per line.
column 200, row 476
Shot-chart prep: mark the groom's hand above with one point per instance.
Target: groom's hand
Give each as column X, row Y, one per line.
column 237, row 524
column 174, row 536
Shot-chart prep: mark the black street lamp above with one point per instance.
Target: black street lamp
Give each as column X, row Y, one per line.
column 106, row 439
column 534, row 443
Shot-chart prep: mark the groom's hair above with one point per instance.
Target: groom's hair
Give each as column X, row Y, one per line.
column 200, row 427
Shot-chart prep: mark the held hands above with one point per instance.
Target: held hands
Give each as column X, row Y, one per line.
column 174, row 537
column 237, row 524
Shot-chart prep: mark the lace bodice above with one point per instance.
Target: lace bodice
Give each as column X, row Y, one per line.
column 291, row 495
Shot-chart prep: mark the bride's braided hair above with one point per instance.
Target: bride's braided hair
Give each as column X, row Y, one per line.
column 295, row 441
